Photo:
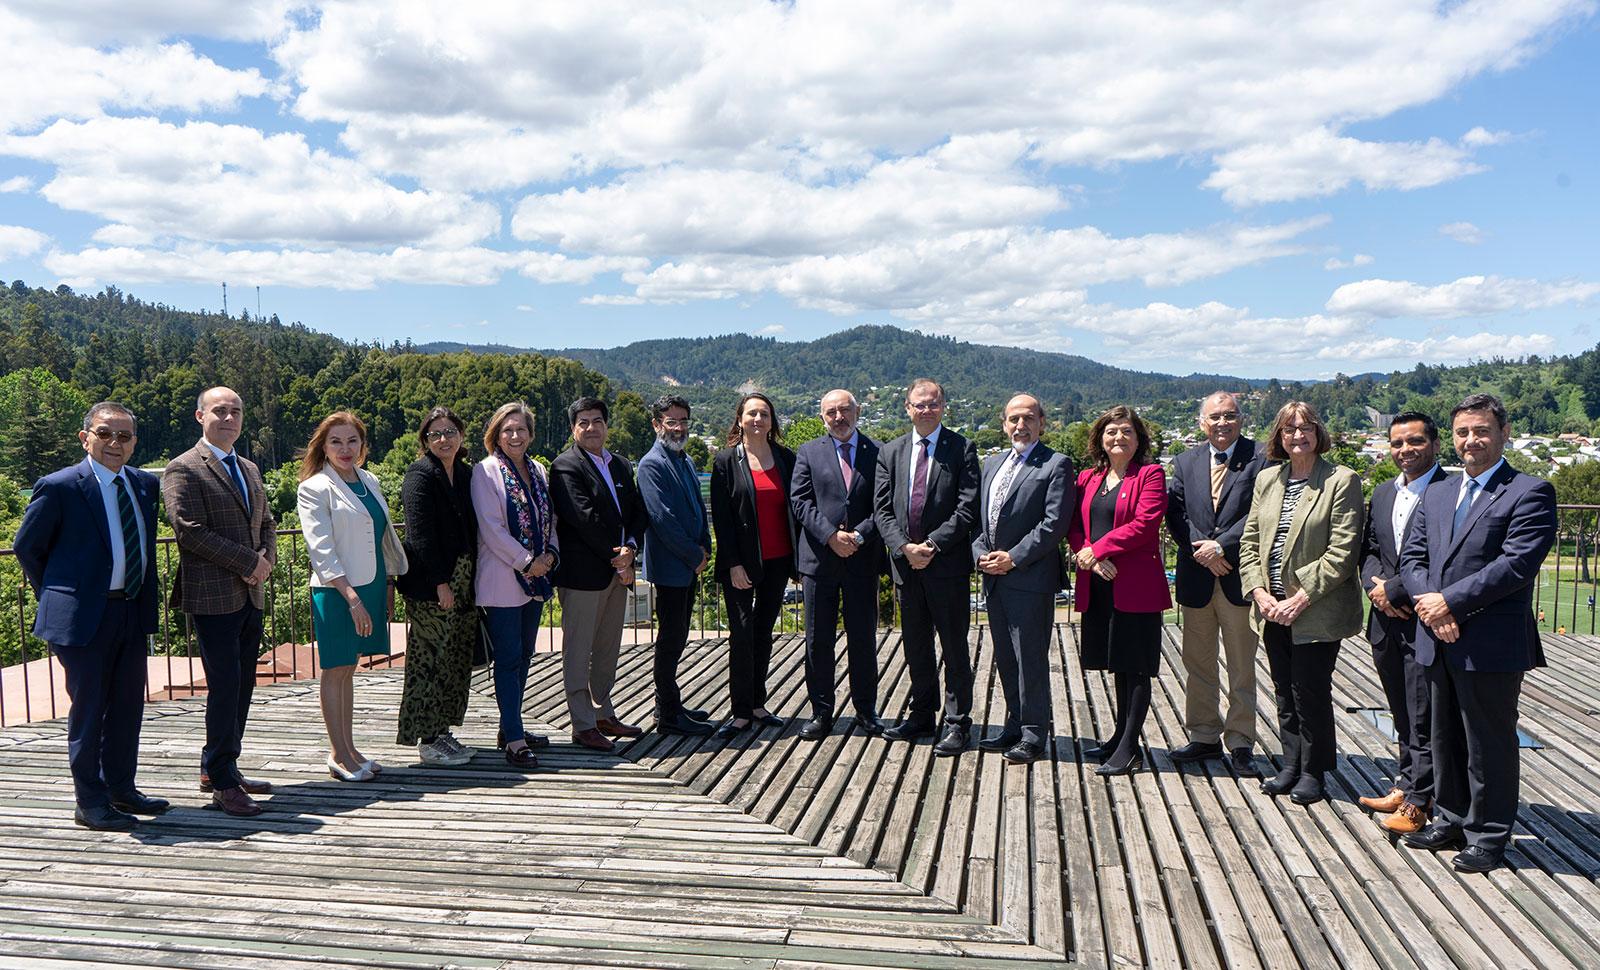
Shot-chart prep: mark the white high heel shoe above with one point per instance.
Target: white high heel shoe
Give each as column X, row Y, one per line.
column 338, row 771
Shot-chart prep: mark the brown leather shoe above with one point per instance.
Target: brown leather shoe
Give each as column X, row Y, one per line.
column 1388, row 803
column 250, row 785
column 1405, row 820
column 616, row 728
column 235, row 802
column 592, row 738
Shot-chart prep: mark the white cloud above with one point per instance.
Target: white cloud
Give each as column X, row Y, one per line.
column 1470, row 296
column 20, row 241
column 1359, row 259
column 1462, row 232
column 116, row 22
column 1321, row 163
column 17, row 183
column 525, row 308
column 772, row 329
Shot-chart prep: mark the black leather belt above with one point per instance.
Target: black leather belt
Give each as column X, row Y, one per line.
column 117, row 594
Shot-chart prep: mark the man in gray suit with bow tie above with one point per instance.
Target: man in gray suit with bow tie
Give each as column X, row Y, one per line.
column 1027, row 495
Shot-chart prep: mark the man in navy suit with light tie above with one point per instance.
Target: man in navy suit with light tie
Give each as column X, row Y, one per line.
column 87, row 547
column 1027, row 495
column 1471, row 564
column 840, row 558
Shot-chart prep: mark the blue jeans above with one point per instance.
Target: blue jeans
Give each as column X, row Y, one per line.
column 513, row 631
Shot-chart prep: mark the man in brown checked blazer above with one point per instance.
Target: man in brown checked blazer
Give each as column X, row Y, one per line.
column 226, row 550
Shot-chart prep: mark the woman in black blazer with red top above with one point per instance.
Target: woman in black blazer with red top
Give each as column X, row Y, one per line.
column 755, row 533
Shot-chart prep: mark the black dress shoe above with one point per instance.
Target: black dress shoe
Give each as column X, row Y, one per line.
column 1243, row 762
column 1308, row 790
column 869, row 725
column 953, row 743
column 1024, row 753
column 769, row 720
column 135, row 802
column 999, row 742
column 531, row 740
column 728, row 730
column 1196, row 751
column 1128, row 767
column 522, row 758
column 1436, row 837
column 1101, row 752
column 1476, row 859
column 696, row 714
column 911, row 730
column 683, row 725
column 104, row 818
column 1282, row 782
column 816, row 729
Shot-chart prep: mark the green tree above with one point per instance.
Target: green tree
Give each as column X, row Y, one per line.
column 40, row 417
column 802, row 430
column 631, row 432
column 699, row 454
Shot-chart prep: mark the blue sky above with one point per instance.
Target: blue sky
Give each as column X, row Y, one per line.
column 1251, row 188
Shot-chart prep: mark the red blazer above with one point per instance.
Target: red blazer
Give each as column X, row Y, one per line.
column 1134, row 543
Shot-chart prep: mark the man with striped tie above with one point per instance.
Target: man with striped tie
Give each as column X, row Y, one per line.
column 87, row 547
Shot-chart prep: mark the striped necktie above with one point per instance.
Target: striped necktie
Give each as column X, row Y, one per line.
column 132, row 552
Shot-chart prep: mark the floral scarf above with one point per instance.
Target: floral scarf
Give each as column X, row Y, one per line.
column 528, row 519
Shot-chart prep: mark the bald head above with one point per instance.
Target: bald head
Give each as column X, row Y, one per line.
column 1023, row 419
column 1220, row 419
column 220, row 412
column 840, row 412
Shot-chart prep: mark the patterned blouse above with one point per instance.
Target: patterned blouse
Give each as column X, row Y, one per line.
column 1291, row 498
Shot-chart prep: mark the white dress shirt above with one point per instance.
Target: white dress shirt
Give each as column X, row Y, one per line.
column 1406, row 496
column 1016, row 457
column 108, row 495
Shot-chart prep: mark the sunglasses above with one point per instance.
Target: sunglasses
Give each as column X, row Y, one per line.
column 106, row 434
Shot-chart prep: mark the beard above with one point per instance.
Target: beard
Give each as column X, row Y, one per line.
column 673, row 440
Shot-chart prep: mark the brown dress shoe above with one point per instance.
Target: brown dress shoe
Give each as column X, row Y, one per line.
column 1388, row 803
column 1405, row 820
column 592, row 738
column 250, row 785
column 614, row 727
column 235, row 802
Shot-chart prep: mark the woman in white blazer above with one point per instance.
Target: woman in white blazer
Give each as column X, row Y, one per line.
column 354, row 550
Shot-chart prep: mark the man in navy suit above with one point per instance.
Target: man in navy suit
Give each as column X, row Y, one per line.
column 1471, row 565
column 677, row 547
column 1208, row 501
column 840, row 558
column 87, row 546
column 926, row 503
column 1027, row 496
column 1392, row 623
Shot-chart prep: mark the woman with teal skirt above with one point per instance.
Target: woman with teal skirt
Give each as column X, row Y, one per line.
column 354, row 550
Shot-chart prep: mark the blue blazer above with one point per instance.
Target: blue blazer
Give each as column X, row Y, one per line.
column 1380, row 559
column 64, row 548
column 1190, row 517
column 678, row 533
column 1487, row 572
column 822, row 506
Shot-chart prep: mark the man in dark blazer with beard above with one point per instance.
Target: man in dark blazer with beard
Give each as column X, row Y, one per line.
column 926, row 502
column 1392, row 624
column 840, row 557
column 1471, row 565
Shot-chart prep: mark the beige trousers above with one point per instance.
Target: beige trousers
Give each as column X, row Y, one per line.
column 591, row 637
column 1202, row 627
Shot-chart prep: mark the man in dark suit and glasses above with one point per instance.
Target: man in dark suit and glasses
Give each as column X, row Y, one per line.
column 226, row 550
column 926, row 504
column 1028, row 495
column 1471, row 565
column 87, row 546
column 840, row 558
column 1392, row 624
column 1208, row 502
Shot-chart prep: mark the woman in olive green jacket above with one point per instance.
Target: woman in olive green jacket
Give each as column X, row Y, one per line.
column 1299, row 561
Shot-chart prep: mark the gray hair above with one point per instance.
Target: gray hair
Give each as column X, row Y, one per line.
column 839, row 390
column 1201, row 409
column 108, row 407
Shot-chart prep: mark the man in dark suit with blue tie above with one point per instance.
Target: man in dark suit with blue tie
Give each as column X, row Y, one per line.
column 1028, row 495
column 87, row 546
column 926, row 503
column 1392, row 623
column 1471, row 565
column 840, row 558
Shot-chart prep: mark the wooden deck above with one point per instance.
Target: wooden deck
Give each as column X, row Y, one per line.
column 777, row 853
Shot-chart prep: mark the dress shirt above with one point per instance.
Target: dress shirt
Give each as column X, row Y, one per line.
column 239, row 483
column 108, row 495
column 854, row 441
column 1228, row 451
column 1482, row 480
column 1017, row 457
column 1406, row 496
column 916, row 445
column 602, row 462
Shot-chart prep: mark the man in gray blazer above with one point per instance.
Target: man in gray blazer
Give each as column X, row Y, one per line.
column 1027, row 495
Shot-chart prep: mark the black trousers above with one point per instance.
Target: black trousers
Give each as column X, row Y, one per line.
column 230, row 645
column 1405, row 685
column 859, row 595
column 1476, row 760
column 751, row 615
column 106, row 683
column 1302, row 683
column 929, row 605
column 674, row 608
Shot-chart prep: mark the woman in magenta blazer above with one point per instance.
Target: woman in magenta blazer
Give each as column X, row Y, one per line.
column 1122, row 582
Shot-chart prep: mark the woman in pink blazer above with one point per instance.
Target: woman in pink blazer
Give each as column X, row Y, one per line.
column 1122, row 582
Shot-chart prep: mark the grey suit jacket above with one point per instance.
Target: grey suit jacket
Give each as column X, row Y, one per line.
column 1032, row 522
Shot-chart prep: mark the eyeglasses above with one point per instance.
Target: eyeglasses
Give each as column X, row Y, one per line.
column 443, row 434
column 674, row 424
column 1295, row 430
column 106, row 434
column 1223, row 416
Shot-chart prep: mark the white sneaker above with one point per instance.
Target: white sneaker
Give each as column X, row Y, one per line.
column 456, row 746
column 439, row 753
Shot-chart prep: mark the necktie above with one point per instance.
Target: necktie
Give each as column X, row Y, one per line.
column 919, row 492
column 1219, row 470
column 132, row 553
column 232, row 461
column 1465, row 507
column 844, row 465
column 1001, row 490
